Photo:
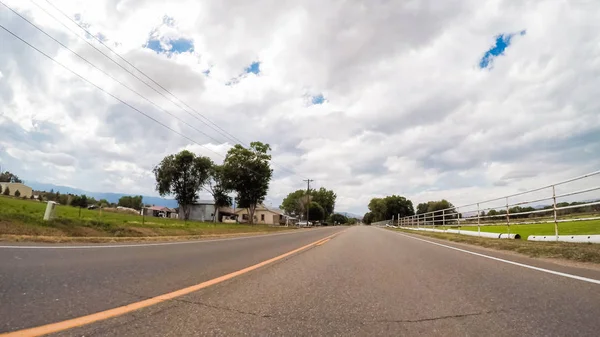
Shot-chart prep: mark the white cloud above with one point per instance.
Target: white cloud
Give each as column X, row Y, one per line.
column 408, row 110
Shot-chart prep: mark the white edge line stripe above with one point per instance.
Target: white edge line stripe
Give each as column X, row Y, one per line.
column 580, row 278
column 49, row 246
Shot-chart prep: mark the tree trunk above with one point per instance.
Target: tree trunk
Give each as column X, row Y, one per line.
column 186, row 211
column 251, row 209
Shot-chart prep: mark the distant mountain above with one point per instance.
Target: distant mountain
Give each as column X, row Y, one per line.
column 350, row 215
column 111, row 197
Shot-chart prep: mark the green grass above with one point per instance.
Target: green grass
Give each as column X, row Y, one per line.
column 25, row 217
column 564, row 228
column 581, row 252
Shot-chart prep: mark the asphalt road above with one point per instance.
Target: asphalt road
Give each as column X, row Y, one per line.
column 365, row 281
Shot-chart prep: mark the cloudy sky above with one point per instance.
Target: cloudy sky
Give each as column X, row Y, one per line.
column 460, row 99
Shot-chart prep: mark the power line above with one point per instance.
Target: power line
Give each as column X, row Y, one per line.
column 104, row 91
column 222, row 131
column 231, row 137
column 112, row 95
column 110, row 76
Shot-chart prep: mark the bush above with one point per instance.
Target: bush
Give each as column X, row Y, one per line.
column 6, row 191
column 17, row 193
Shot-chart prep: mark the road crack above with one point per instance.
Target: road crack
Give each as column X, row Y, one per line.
column 429, row 319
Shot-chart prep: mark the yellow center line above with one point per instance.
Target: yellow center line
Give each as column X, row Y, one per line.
column 324, row 241
column 102, row 315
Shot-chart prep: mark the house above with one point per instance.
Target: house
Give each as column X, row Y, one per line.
column 24, row 191
column 202, row 210
column 263, row 215
column 159, row 211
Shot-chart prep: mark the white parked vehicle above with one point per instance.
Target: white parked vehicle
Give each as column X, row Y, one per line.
column 304, row 224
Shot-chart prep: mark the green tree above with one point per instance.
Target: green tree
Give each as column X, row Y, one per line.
column 247, row 171
column 17, row 193
column 75, row 200
column 316, row 212
column 217, row 187
column 368, row 218
column 182, row 175
column 390, row 206
column 8, row 177
column 31, row 197
column 295, row 203
column 339, row 219
column 492, row 212
column 325, row 198
column 0, row 189
column 422, row 208
column 377, row 209
column 128, row 201
column 6, row 191
column 83, row 201
column 103, row 203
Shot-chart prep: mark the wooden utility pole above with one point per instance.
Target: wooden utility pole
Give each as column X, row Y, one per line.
column 308, row 181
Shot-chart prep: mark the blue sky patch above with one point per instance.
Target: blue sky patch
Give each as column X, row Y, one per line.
column 154, row 45
column 177, row 46
column 317, row 99
column 182, row 45
column 503, row 41
column 254, row 68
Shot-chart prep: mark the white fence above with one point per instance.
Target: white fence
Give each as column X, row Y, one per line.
column 571, row 200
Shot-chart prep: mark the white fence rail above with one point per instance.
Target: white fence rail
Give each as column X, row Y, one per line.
column 575, row 202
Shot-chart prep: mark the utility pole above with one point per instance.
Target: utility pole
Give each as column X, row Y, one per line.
column 308, row 181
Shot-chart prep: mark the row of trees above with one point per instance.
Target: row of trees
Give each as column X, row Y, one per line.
column 134, row 202
column 381, row 209
column 7, row 177
column 245, row 171
column 320, row 204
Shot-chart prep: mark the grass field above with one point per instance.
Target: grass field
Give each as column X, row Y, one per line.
column 582, row 252
column 25, row 218
column 564, row 228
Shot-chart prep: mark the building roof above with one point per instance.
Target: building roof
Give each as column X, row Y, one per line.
column 160, row 208
column 204, row 202
column 261, row 208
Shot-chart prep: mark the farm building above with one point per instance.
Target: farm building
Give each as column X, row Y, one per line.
column 24, row 191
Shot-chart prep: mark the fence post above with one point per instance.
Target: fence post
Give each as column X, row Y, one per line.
column 444, row 219
column 507, row 216
column 555, row 215
column 478, row 222
column 457, row 217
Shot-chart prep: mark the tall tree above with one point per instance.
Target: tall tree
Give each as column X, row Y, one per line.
column 325, row 198
column 390, row 206
column 247, row 171
column 338, row 219
column 316, row 212
column 449, row 212
column 422, row 208
column 182, row 175
column 368, row 218
column 217, row 188
column 295, row 203
column 8, row 177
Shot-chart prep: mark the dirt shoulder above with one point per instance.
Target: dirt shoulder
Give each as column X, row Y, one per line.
column 104, row 239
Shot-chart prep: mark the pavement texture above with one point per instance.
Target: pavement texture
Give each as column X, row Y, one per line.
column 41, row 286
column 364, row 282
